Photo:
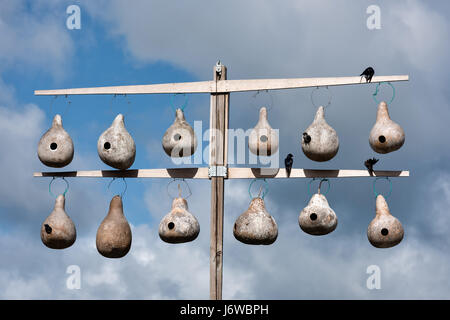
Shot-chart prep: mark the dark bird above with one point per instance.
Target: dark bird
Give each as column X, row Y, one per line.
column 288, row 164
column 369, row 163
column 368, row 74
column 48, row 229
column 306, row 138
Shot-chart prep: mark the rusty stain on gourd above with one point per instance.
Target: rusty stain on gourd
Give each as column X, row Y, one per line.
column 115, row 146
column 179, row 140
column 55, row 148
column 385, row 230
column 317, row 218
column 263, row 140
column 320, row 141
column 114, row 233
column 256, row 225
column 179, row 225
column 58, row 230
column 386, row 135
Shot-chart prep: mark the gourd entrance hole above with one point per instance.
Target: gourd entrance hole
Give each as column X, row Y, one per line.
column 171, row 225
column 177, row 137
column 107, row 145
column 53, row 146
column 263, row 138
column 384, row 231
column 313, row 216
column 48, row 229
column 306, row 138
column 382, row 139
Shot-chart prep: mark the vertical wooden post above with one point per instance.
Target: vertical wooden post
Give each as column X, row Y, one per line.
column 217, row 157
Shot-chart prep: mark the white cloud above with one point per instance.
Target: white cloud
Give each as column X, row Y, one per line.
column 34, row 37
column 418, row 32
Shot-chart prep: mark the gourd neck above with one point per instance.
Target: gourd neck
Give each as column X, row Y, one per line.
column 118, row 121
column 320, row 114
column 381, row 206
column 382, row 112
column 60, row 202
column 179, row 203
column 116, row 206
column 179, row 115
column 257, row 204
column 57, row 121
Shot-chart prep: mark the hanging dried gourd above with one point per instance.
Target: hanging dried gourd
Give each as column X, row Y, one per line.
column 256, row 225
column 385, row 230
column 55, row 148
column 115, row 146
column 179, row 225
column 58, row 230
column 179, row 140
column 386, row 135
column 320, row 141
column 263, row 140
column 114, row 233
column 317, row 218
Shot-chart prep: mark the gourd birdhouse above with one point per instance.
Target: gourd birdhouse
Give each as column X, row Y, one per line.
column 179, row 139
column 320, row 141
column 385, row 230
column 179, row 225
column 115, row 146
column 114, row 233
column 263, row 140
column 58, row 230
column 317, row 218
column 55, row 148
column 386, row 135
column 256, row 225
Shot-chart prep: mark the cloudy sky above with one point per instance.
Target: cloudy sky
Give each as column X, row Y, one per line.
column 172, row 41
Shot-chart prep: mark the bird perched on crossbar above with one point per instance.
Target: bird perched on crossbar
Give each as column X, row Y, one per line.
column 368, row 74
column 369, row 163
column 288, row 162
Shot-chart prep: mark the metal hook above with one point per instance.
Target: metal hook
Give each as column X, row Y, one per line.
column 51, row 103
column 374, row 95
column 124, row 190
column 50, row 187
column 329, row 100
column 172, row 102
column 179, row 189
column 320, row 185
column 113, row 98
column 270, row 96
column 375, row 190
column 68, row 104
column 266, row 185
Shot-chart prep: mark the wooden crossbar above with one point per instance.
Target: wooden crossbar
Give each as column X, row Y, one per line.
column 222, row 86
column 233, row 173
